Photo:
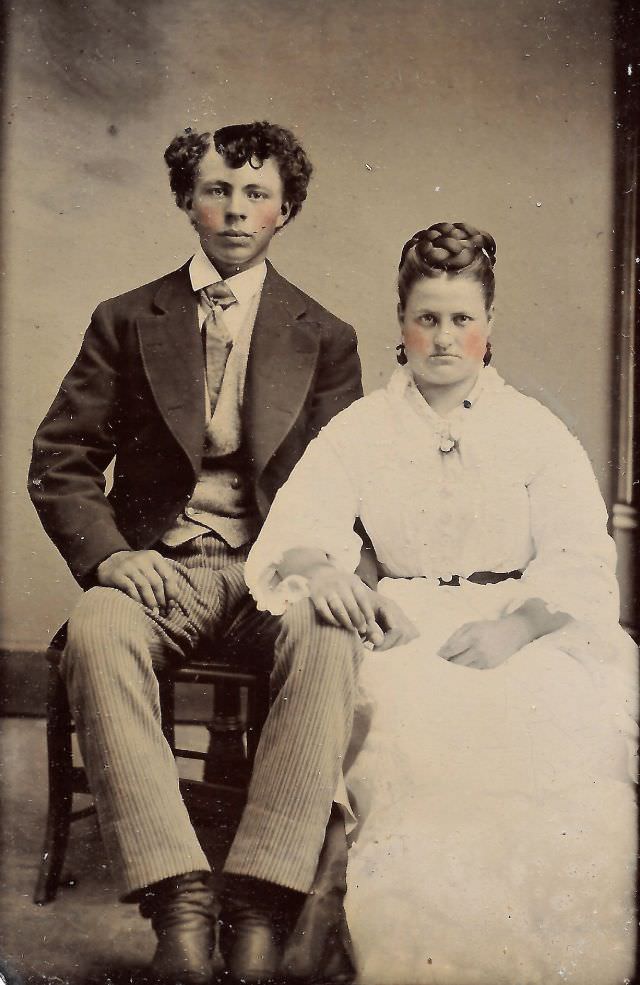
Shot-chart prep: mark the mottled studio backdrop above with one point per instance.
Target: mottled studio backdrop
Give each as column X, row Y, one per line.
column 495, row 111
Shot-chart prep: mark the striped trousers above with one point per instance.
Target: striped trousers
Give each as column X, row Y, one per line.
column 114, row 644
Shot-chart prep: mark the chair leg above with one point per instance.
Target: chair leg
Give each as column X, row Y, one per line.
column 60, row 790
column 226, row 760
column 257, row 711
column 167, row 710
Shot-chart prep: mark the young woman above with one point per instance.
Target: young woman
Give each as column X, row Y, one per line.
column 494, row 835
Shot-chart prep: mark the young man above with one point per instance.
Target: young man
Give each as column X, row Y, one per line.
column 204, row 388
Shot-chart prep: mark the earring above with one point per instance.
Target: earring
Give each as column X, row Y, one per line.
column 401, row 354
column 486, row 359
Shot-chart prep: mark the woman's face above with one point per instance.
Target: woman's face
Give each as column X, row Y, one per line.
column 445, row 328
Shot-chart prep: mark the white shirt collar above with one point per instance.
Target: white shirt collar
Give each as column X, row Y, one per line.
column 244, row 285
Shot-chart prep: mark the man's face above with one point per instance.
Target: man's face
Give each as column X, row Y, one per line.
column 236, row 211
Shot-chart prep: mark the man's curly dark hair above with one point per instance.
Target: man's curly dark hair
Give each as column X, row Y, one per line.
column 237, row 144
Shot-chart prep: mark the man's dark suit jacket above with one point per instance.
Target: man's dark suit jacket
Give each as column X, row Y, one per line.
column 135, row 395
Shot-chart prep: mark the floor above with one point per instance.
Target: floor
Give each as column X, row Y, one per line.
column 85, row 935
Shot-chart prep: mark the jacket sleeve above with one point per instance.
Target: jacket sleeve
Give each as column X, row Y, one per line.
column 72, row 448
column 339, row 378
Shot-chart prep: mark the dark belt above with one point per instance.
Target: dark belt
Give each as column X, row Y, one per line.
column 482, row 578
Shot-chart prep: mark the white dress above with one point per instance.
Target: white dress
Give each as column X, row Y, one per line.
column 495, row 838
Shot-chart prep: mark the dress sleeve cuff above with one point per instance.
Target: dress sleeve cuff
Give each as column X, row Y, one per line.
column 274, row 594
column 597, row 611
column 551, row 607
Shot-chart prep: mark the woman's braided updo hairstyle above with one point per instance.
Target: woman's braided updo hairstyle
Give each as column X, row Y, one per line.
column 449, row 249
column 238, row 144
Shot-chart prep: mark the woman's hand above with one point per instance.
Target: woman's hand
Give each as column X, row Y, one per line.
column 342, row 599
column 487, row 643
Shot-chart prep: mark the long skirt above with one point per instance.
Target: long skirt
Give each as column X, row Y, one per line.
column 496, row 831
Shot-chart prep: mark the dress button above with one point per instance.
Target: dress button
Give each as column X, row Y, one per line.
column 466, row 404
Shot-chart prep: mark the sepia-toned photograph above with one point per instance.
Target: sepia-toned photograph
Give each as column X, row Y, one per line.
column 330, row 678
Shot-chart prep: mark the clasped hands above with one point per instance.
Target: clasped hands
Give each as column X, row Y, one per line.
column 342, row 599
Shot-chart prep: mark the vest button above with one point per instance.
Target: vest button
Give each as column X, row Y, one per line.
column 235, row 482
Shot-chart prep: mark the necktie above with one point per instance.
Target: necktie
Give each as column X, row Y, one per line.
column 217, row 340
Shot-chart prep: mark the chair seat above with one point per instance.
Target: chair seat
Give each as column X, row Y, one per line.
column 198, row 668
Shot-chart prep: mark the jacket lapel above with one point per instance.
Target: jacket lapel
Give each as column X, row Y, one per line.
column 171, row 349
column 282, row 360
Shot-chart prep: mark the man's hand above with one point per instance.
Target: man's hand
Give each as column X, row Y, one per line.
column 145, row 576
column 342, row 599
column 487, row 643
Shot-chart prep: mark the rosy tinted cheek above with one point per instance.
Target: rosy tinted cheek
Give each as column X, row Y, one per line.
column 211, row 213
column 265, row 215
column 474, row 344
column 415, row 340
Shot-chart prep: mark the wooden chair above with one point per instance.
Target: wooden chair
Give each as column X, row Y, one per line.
column 234, row 728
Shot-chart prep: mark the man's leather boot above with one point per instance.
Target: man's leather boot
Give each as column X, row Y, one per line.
column 255, row 920
column 181, row 910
